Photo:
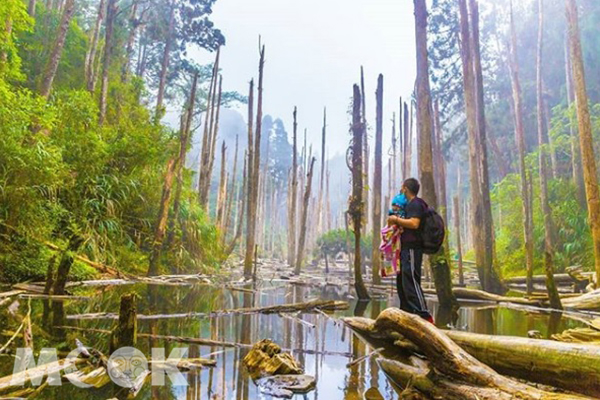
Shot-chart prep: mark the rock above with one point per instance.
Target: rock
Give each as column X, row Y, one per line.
column 285, row 386
column 265, row 359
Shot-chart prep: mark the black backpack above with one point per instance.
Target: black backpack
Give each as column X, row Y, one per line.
column 433, row 231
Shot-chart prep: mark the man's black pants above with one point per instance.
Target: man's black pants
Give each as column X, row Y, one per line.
column 408, row 283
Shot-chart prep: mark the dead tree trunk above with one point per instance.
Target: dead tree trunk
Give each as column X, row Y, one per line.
column 453, row 372
column 492, row 279
column 406, row 151
column 59, row 44
column 215, row 131
column 254, row 173
column 304, row 217
column 292, row 197
column 576, row 167
column 439, row 262
column 322, row 177
column 204, row 154
column 111, row 13
column 543, row 166
column 184, row 141
column 222, row 193
column 586, row 140
column 163, row 213
column 461, row 278
column 355, row 209
column 441, row 160
column 520, row 139
column 241, row 207
column 90, row 56
column 471, row 112
column 164, row 67
column 377, row 182
column 232, row 189
column 366, row 152
column 125, row 334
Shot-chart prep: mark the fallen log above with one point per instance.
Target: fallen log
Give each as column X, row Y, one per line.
column 541, row 279
column 574, row 367
column 11, row 293
column 311, row 306
column 450, row 372
column 20, row 378
column 587, row 301
column 54, row 297
column 473, row 294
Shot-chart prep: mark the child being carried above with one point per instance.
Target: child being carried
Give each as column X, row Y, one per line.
column 390, row 239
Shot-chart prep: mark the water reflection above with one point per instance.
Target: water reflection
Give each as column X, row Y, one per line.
column 324, row 349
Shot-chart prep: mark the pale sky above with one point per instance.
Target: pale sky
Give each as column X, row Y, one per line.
column 314, row 51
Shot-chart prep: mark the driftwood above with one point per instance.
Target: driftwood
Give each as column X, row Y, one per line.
column 54, row 297
column 449, row 372
column 311, row 306
column 11, row 293
column 587, row 301
column 568, row 366
column 541, row 279
column 473, row 294
column 17, row 380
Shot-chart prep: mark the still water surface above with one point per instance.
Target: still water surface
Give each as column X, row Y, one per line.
column 322, row 345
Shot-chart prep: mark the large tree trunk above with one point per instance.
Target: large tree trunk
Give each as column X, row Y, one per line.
column 439, row 262
column 543, row 167
column 377, row 182
column 585, row 132
column 304, row 217
column 493, row 282
column 111, row 13
column 576, row 167
column 59, row 44
column 520, row 139
column 355, row 209
column 163, row 213
column 483, row 254
column 292, row 197
column 254, row 173
column 90, row 56
column 469, row 366
column 164, row 66
column 174, row 166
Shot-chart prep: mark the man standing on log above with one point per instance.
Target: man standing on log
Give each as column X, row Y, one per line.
column 408, row 281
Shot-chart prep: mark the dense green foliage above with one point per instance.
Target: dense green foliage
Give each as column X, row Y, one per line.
column 61, row 174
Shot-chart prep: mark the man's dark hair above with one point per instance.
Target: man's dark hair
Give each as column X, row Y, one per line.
column 413, row 185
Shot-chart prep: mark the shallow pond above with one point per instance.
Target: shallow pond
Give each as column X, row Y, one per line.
column 321, row 344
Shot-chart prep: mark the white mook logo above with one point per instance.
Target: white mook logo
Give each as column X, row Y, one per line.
column 127, row 366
